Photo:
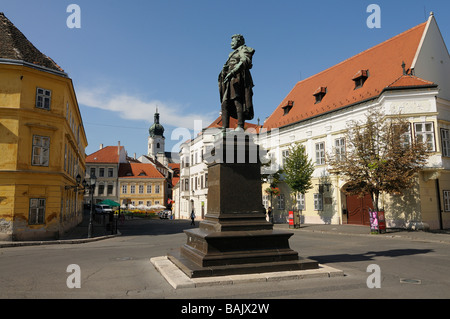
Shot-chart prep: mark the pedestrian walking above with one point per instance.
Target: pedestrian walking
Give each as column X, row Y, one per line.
column 192, row 217
column 269, row 213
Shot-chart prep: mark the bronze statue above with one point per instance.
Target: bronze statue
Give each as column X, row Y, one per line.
column 236, row 84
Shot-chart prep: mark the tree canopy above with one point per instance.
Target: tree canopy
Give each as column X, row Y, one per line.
column 298, row 169
column 381, row 156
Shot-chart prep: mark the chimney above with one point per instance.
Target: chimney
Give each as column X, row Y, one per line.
column 118, row 148
column 101, row 146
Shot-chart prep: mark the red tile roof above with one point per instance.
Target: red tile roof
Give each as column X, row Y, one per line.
column 108, row 154
column 382, row 64
column 175, row 181
column 175, row 166
column 409, row 81
column 138, row 170
column 176, row 172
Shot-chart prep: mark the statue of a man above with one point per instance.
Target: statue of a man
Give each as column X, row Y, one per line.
column 236, row 84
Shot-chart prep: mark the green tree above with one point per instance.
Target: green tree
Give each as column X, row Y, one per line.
column 381, row 156
column 298, row 169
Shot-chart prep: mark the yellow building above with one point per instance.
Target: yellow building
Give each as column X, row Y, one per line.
column 141, row 184
column 42, row 142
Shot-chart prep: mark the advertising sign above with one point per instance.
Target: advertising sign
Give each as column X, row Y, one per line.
column 377, row 222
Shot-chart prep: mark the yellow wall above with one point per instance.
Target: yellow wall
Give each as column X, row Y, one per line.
column 19, row 179
column 136, row 197
column 429, row 201
column 329, row 213
column 416, row 208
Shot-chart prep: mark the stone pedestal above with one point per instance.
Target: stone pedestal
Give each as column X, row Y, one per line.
column 235, row 237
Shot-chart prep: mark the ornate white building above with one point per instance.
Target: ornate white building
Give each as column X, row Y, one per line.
column 407, row 74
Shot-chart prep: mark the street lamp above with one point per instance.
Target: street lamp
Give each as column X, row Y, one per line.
column 92, row 182
column 270, row 180
column 78, row 180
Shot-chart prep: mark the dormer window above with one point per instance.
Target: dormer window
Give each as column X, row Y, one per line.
column 320, row 93
column 288, row 107
column 360, row 77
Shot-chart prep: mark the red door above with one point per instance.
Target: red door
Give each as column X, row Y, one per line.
column 358, row 209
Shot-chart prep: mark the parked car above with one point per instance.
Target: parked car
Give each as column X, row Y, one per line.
column 103, row 209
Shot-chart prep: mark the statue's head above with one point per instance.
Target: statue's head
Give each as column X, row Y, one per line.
column 237, row 40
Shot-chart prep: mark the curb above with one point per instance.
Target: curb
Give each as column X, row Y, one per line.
column 57, row 242
column 411, row 237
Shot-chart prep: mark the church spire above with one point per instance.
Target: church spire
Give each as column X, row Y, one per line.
column 156, row 129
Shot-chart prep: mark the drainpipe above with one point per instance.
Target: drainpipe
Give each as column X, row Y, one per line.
column 439, row 203
column 339, row 202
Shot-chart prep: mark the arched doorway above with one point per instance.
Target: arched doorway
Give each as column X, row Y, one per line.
column 358, row 209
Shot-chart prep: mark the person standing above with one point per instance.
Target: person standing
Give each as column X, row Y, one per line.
column 269, row 213
column 192, row 217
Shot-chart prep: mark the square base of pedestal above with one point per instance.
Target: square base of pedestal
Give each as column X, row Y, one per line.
column 193, row 270
column 237, row 247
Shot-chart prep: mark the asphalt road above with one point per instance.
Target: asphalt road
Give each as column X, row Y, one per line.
column 120, row 268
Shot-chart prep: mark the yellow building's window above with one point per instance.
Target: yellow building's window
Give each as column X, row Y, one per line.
column 37, row 211
column 43, row 98
column 41, row 150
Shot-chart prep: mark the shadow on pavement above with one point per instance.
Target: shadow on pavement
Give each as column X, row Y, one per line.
column 370, row 255
column 153, row 227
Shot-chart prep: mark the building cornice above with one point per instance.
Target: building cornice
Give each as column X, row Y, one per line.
column 374, row 98
column 33, row 66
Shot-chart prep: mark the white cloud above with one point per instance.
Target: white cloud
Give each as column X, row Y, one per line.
column 134, row 108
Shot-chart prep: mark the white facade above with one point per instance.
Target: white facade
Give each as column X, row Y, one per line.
column 156, row 145
column 193, row 183
column 106, row 171
column 418, row 106
column 432, row 59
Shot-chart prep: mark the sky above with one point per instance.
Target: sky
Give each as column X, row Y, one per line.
column 128, row 58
